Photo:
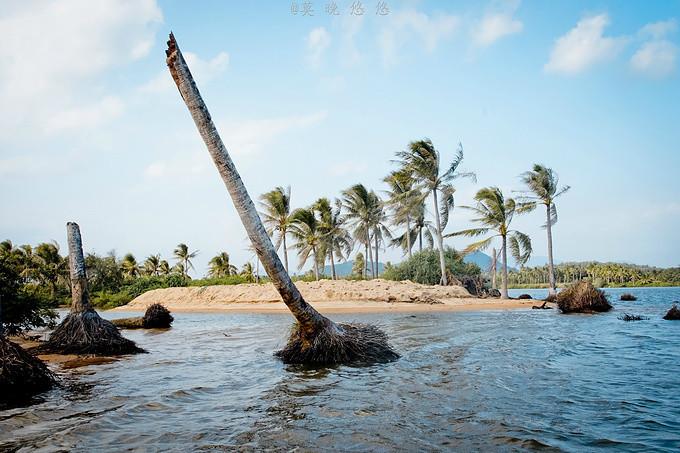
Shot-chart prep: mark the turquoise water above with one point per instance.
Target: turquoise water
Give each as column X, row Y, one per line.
column 493, row 380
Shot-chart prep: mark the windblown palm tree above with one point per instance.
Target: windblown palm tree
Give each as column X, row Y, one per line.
column 543, row 185
column 379, row 231
column 309, row 238
column 423, row 162
column 277, row 217
column 495, row 213
column 315, row 339
column 360, row 211
column 404, row 201
column 219, row 266
column 129, row 266
column 164, row 268
column 184, row 257
column 336, row 242
column 152, row 265
column 49, row 266
column 248, row 272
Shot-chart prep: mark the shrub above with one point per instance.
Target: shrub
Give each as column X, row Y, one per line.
column 423, row 267
column 157, row 317
column 108, row 300
column 582, row 297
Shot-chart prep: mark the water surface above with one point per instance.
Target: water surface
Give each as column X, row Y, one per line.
column 491, row 380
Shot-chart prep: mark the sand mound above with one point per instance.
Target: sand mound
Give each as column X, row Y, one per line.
column 321, row 291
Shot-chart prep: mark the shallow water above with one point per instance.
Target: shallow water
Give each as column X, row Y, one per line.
column 492, row 380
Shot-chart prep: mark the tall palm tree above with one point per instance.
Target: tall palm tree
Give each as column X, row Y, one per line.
column 277, row 217
column 495, row 213
column 316, row 339
column 248, row 272
column 184, row 257
column 309, row 237
column 423, row 162
column 359, row 205
column 129, row 266
column 152, row 265
column 379, row 231
column 50, row 267
column 403, row 200
column 336, row 241
column 219, row 266
column 543, row 187
column 164, row 268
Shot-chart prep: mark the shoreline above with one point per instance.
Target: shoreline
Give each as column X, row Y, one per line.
column 468, row 304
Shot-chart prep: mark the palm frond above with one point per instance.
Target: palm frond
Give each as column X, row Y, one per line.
column 520, row 247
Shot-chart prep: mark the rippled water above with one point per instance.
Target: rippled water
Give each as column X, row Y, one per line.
column 493, row 380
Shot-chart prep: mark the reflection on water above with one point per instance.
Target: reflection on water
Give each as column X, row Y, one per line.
column 510, row 380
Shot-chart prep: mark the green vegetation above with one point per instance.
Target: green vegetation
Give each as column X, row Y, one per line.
column 601, row 274
column 423, row 267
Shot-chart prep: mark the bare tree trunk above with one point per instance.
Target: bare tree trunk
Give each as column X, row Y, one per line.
column 285, row 252
column 420, row 240
column 370, row 254
column 551, row 267
column 309, row 319
column 494, row 258
column 440, row 243
column 333, row 276
column 80, row 297
column 408, row 235
column 316, row 264
column 504, row 256
column 365, row 272
column 377, row 262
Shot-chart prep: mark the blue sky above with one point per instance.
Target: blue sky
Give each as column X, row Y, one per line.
column 92, row 130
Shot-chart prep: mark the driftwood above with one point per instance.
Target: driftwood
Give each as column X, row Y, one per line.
column 156, row 317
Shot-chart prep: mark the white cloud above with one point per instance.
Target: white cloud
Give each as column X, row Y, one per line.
column 656, row 57
column 249, row 136
column 318, row 41
column 403, row 25
column 584, row 46
column 658, row 30
column 496, row 25
column 50, row 50
column 203, row 71
column 86, row 116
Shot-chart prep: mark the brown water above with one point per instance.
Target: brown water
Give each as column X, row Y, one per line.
column 495, row 380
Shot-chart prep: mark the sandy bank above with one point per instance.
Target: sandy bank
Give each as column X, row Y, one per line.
column 328, row 296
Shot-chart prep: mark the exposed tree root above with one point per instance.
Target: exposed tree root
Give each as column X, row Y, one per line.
column 582, row 297
column 338, row 344
column 673, row 314
column 87, row 333
column 21, row 374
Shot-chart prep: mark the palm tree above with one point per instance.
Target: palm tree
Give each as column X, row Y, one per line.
column 495, row 213
column 129, row 266
column 359, row 205
column 164, row 268
column 404, row 201
column 50, row 267
column 184, row 257
column 543, row 185
column 248, row 273
column 277, row 217
column 336, row 241
column 308, row 235
column 379, row 229
column 219, row 266
column 152, row 265
column 315, row 339
column 423, row 162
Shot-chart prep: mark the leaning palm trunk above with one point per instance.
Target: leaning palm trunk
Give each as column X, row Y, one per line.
column 551, row 267
column 83, row 331
column 440, row 242
column 315, row 339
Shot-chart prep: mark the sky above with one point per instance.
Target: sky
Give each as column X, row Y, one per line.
column 93, row 130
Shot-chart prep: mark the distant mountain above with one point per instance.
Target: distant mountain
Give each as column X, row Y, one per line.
column 345, row 269
column 481, row 259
